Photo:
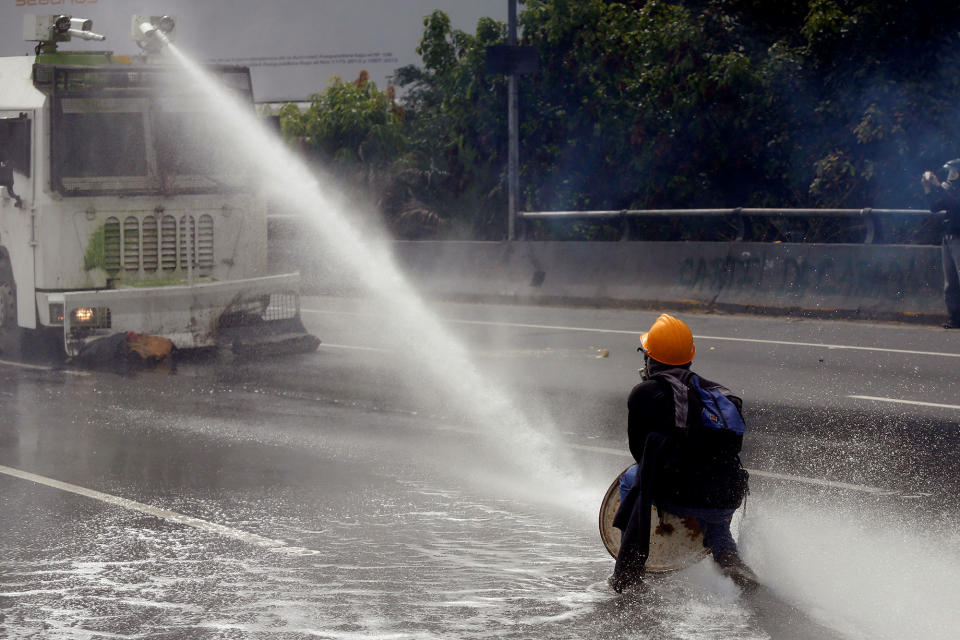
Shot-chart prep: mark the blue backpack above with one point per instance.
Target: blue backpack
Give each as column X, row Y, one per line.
column 717, row 410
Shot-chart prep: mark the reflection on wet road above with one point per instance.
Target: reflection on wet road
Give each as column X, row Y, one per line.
column 420, row 524
column 412, row 561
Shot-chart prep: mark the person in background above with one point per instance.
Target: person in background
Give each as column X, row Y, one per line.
column 6, row 178
column 685, row 432
column 945, row 196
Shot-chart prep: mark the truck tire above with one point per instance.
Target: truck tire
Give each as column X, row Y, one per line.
column 10, row 338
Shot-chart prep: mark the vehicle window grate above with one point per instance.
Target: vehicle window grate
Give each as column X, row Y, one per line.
column 168, row 243
column 131, row 244
column 151, row 247
column 111, row 246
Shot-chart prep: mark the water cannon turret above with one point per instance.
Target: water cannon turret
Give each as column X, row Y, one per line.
column 153, row 33
column 48, row 30
column 81, row 28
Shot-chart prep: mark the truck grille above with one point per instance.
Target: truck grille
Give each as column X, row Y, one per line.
column 148, row 246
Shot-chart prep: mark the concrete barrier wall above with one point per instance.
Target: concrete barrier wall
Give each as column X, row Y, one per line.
column 883, row 282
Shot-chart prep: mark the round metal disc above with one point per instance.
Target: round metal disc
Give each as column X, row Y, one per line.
column 675, row 542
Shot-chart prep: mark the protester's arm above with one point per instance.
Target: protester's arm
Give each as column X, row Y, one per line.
column 649, row 409
column 944, row 197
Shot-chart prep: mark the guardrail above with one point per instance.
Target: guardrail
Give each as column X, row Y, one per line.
column 739, row 216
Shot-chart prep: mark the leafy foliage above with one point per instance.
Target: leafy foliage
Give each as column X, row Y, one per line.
column 350, row 124
column 658, row 104
column 458, row 125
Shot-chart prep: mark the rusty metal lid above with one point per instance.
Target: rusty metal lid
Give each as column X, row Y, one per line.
column 675, row 542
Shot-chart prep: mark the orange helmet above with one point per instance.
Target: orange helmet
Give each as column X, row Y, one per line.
column 669, row 341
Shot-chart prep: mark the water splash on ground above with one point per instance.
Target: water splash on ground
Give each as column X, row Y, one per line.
column 862, row 567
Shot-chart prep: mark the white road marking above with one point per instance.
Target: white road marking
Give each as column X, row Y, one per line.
column 820, row 482
column 849, row 347
column 276, row 546
column 350, row 346
column 40, row 367
column 626, row 454
column 913, row 402
column 789, row 343
column 279, row 546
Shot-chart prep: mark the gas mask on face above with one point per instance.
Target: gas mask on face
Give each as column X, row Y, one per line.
column 645, row 372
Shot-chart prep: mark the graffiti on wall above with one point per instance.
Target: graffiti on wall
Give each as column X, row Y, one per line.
column 887, row 275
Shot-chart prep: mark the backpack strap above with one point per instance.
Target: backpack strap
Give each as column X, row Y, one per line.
column 678, row 381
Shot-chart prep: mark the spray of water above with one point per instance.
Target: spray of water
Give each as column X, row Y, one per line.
column 865, row 568
column 415, row 329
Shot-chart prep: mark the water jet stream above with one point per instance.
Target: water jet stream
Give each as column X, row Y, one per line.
column 418, row 333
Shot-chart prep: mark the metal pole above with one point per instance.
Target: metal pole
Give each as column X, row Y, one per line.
column 513, row 150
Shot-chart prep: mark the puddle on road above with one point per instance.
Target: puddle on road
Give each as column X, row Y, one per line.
column 418, row 563
column 406, row 550
column 421, row 532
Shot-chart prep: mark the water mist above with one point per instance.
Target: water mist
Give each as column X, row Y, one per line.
column 862, row 565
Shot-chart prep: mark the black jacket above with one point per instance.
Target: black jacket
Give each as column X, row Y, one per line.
column 698, row 467
column 946, row 197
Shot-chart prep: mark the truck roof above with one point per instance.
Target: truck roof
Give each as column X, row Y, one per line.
column 16, row 84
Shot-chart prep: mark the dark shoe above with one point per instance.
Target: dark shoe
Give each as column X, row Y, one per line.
column 732, row 566
column 952, row 323
column 618, row 582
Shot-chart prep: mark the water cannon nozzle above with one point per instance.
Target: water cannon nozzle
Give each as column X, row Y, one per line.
column 51, row 29
column 146, row 29
column 166, row 24
column 152, row 33
column 86, row 35
column 81, row 24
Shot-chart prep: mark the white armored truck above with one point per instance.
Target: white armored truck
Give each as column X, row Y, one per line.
column 119, row 211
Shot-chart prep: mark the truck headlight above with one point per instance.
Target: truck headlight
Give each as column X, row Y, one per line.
column 93, row 317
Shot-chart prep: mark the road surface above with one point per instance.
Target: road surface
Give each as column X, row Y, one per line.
column 386, row 487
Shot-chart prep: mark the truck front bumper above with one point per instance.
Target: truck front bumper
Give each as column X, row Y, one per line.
column 194, row 316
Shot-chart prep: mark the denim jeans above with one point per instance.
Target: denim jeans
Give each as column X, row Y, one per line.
column 715, row 523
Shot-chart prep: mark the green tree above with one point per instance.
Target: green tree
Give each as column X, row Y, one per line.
column 457, row 127
column 886, row 98
column 658, row 104
column 352, row 128
column 651, row 104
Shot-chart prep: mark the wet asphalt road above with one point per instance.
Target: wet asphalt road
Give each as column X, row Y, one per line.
column 346, row 494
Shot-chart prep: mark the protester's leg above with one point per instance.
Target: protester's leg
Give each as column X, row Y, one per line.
column 627, row 480
column 951, row 278
column 716, row 531
column 629, row 570
column 717, row 537
column 715, row 524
